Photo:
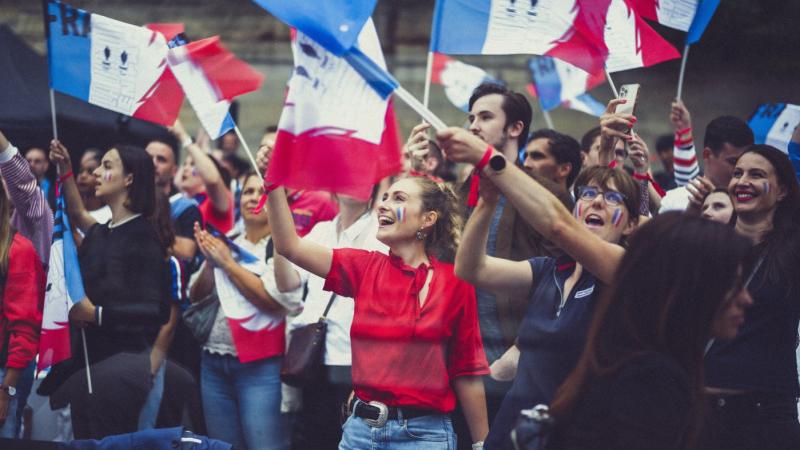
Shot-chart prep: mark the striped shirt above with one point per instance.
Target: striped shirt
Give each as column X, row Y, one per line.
column 32, row 216
column 685, row 161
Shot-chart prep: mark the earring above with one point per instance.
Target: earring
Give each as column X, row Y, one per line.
column 420, row 234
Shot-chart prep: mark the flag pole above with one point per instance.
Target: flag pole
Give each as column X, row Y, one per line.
column 247, row 149
column 53, row 113
column 611, row 83
column 86, row 359
column 419, row 108
column 426, row 94
column 683, row 69
column 548, row 120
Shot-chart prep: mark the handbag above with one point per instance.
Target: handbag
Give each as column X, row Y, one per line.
column 199, row 316
column 533, row 429
column 305, row 356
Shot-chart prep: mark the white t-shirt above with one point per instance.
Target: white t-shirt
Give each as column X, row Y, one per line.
column 675, row 200
column 360, row 234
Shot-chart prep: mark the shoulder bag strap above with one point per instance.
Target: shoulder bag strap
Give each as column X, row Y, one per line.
column 328, row 308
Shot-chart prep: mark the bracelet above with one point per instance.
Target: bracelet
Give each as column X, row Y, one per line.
column 186, row 142
column 485, row 159
column 686, row 130
column 642, row 176
column 64, row 177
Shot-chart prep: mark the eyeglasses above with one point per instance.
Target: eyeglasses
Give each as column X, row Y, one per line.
column 589, row 193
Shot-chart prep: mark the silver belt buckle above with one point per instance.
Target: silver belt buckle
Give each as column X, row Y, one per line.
column 383, row 415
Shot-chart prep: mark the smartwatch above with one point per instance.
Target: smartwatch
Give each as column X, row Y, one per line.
column 12, row 391
column 497, row 163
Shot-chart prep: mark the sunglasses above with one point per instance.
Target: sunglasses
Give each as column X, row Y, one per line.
column 589, row 193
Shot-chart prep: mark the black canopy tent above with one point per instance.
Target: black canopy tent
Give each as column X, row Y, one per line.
column 25, row 107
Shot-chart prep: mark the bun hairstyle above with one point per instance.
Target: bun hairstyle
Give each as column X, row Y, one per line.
column 443, row 238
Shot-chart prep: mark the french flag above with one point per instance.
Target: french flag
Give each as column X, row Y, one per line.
column 336, row 132
column 630, row 41
column 211, row 76
column 64, row 289
column 691, row 16
column 556, row 81
column 571, row 30
column 111, row 64
column 256, row 334
column 774, row 124
column 458, row 79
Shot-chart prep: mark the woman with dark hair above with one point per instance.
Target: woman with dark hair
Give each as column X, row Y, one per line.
column 126, row 279
column 639, row 382
column 241, row 359
column 752, row 379
column 415, row 342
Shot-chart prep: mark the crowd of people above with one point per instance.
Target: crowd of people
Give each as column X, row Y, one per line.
column 504, row 269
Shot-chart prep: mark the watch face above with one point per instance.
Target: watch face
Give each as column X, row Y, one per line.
column 12, row 391
column 497, row 163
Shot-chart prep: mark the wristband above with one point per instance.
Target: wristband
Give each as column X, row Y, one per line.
column 647, row 177
column 186, row 142
column 64, row 177
column 642, row 176
column 268, row 187
column 684, row 131
column 680, row 142
column 477, row 446
column 475, row 182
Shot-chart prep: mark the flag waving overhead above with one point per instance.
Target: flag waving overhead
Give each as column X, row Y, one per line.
column 111, row 64
column 64, row 289
column 458, row 79
column 692, row 16
column 332, row 134
column 212, row 76
column 571, row 30
column 556, row 81
column 631, row 42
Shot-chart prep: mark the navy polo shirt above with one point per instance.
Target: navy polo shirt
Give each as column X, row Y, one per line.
column 551, row 339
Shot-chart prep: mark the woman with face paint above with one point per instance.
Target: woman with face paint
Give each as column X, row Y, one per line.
column 126, row 278
column 416, row 347
column 752, row 379
column 564, row 293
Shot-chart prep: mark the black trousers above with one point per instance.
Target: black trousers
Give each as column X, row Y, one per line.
column 318, row 425
column 120, row 384
column 753, row 421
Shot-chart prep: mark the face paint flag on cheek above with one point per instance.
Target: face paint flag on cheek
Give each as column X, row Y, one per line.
column 578, row 211
column 616, row 219
column 401, row 214
column 766, row 187
column 107, row 176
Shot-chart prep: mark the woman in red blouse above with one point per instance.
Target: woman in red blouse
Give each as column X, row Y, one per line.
column 22, row 283
column 415, row 339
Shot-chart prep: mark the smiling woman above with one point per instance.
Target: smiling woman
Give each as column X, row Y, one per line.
column 757, row 371
column 410, row 312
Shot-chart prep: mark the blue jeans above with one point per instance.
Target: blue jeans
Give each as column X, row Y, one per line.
column 149, row 413
column 242, row 402
column 428, row 432
column 9, row 428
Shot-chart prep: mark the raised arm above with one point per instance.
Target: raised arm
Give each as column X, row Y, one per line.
column 613, row 126
column 473, row 265
column 538, row 206
column 286, row 277
column 215, row 186
column 310, row 256
column 684, row 153
column 78, row 214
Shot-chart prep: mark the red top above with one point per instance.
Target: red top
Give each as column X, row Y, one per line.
column 310, row 207
column 221, row 221
column 22, row 303
column 404, row 355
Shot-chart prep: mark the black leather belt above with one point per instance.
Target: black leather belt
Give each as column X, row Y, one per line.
column 376, row 413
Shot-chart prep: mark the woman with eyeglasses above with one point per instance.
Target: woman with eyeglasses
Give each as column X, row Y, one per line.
column 563, row 291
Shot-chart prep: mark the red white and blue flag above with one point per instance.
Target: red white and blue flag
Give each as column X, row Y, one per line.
column 691, row 16
column 111, row 64
column 630, row 41
column 211, row 76
column 570, row 30
column 558, row 83
column 336, row 132
column 458, row 79
column 64, row 289
column 256, row 334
